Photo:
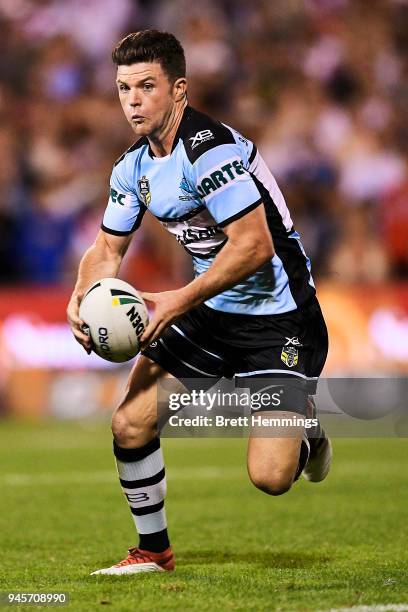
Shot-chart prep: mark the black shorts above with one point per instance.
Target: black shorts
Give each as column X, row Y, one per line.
column 208, row 344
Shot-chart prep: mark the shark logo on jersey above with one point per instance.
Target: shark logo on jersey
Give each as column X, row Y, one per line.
column 144, row 188
column 201, row 137
column 290, row 356
column 188, row 193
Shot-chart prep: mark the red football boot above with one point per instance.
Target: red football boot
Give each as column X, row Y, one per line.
column 141, row 561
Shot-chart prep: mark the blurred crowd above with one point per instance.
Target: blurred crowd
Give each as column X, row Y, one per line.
column 320, row 85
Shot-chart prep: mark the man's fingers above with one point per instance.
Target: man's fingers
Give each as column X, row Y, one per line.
column 158, row 331
column 150, row 297
column 74, row 320
column 150, row 333
column 82, row 335
column 154, row 333
column 73, row 317
column 149, row 330
column 83, row 339
column 78, row 326
column 87, row 347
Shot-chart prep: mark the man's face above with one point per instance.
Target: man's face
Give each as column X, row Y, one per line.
column 146, row 95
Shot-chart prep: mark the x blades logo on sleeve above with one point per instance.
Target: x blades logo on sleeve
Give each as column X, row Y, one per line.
column 201, row 137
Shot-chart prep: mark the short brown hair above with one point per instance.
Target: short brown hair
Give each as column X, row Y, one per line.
column 152, row 46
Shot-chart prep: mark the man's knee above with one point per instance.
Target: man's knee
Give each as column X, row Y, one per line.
column 277, row 483
column 134, row 423
column 133, row 428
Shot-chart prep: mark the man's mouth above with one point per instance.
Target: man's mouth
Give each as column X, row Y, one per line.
column 137, row 118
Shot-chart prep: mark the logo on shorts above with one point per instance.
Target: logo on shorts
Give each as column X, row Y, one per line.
column 144, row 188
column 294, row 341
column 201, row 137
column 290, row 356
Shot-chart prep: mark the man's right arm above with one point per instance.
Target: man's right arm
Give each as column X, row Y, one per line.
column 101, row 260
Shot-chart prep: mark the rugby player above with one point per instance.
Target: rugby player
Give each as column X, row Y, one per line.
column 251, row 310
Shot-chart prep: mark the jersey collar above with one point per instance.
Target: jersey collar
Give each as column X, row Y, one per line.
column 182, row 126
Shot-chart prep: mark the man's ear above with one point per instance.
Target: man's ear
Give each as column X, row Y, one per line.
column 180, row 89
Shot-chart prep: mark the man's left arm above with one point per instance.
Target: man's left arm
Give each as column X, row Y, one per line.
column 249, row 246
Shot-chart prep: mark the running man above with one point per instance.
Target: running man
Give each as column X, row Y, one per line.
column 251, row 310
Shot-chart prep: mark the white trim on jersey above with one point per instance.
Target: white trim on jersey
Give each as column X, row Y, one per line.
column 261, row 171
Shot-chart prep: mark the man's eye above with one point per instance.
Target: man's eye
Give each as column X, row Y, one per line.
column 123, row 88
column 148, row 86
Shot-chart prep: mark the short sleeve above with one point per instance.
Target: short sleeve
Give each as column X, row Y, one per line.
column 224, row 184
column 124, row 211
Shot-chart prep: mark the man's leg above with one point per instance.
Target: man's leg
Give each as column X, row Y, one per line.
column 321, row 452
column 276, row 455
column 140, row 464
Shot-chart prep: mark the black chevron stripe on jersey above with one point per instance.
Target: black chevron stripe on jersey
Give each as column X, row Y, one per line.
column 139, row 143
column 287, row 249
column 200, row 133
column 253, row 155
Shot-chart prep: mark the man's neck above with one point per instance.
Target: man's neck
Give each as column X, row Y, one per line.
column 162, row 143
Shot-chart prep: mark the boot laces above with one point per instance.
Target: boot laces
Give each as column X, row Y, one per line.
column 135, row 555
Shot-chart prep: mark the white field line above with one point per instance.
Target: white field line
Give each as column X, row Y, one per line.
column 374, row 608
column 110, row 476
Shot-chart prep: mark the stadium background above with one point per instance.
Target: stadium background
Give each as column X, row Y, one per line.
column 321, row 85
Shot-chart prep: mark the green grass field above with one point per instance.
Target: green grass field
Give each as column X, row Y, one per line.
column 336, row 544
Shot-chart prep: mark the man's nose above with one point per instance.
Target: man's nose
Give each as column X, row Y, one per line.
column 134, row 99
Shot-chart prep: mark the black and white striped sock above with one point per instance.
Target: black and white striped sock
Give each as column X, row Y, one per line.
column 142, row 476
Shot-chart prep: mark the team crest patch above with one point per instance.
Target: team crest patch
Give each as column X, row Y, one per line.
column 144, row 188
column 290, row 356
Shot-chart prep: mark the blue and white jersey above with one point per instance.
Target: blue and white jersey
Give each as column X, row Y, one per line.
column 212, row 177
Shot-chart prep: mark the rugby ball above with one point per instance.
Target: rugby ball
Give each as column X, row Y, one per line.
column 115, row 317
